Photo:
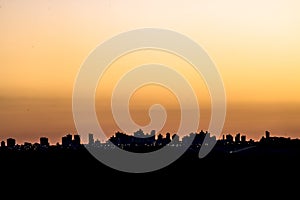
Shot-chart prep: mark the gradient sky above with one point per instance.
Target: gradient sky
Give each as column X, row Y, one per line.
column 255, row 45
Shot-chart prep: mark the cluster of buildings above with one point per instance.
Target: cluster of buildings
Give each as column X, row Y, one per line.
column 68, row 141
column 140, row 139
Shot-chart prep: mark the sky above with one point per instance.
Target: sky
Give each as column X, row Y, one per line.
column 254, row 44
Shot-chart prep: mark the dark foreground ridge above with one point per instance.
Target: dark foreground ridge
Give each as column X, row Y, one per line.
column 233, row 162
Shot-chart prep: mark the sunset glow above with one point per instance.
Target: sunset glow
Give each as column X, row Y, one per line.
column 254, row 44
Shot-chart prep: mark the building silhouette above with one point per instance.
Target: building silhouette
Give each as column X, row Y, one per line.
column 168, row 138
column 175, row 139
column 267, row 135
column 91, row 139
column 141, row 142
column 64, row 141
column 67, row 141
column 229, row 139
column 159, row 141
column 97, row 143
column 11, row 142
column 44, row 142
column 237, row 138
column 76, row 141
column 243, row 138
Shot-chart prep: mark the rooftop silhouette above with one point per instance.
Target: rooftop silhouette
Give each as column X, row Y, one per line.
column 143, row 142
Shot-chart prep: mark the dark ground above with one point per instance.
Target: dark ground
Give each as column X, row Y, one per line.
column 258, row 171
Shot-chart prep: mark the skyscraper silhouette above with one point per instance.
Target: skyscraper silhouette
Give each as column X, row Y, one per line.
column 76, row 141
column 243, row 138
column 237, row 138
column 91, row 139
column 267, row 134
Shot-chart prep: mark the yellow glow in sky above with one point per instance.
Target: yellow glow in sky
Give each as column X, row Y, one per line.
column 255, row 45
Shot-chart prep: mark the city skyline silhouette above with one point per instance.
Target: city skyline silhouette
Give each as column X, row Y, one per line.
column 279, row 154
column 246, row 72
column 152, row 140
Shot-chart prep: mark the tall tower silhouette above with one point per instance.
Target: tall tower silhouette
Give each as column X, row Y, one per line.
column 267, row 134
column 91, row 139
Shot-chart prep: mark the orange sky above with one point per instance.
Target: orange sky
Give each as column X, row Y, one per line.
column 255, row 45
